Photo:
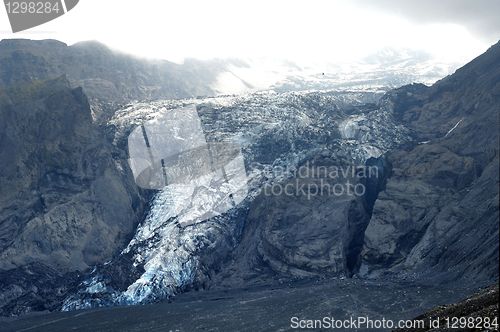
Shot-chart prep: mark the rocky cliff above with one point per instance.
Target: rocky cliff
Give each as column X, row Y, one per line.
column 65, row 202
column 438, row 216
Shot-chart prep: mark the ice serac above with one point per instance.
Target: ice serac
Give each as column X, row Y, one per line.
column 202, row 181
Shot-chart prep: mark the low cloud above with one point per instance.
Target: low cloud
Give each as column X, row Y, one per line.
column 480, row 16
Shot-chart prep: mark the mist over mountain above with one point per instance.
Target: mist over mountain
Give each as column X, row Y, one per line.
column 107, row 77
column 110, row 78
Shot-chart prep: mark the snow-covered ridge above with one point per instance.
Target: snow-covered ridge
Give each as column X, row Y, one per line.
column 385, row 69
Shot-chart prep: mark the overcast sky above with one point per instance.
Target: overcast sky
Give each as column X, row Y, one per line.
column 313, row 30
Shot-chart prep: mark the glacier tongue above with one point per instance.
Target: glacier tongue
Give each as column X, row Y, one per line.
column 169, row 262
column 191, row 227
column 167, row 244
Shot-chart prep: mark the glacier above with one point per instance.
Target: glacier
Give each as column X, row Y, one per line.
column 192, row 226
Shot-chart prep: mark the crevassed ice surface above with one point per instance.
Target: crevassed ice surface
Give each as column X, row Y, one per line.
column 187, row 222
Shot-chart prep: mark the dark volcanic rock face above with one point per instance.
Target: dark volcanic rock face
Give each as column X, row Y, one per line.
column 64, row 201
column 439, row 213
column 34, row 287
column 310, row 228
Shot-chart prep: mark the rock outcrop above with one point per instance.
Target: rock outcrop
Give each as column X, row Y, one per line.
column 65, row 202
column 310, row 225
column 438, row 216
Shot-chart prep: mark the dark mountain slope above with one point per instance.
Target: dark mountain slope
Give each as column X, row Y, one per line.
column 481, row 309
column 63, row 199
column 65, row 202
column 439, row 213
